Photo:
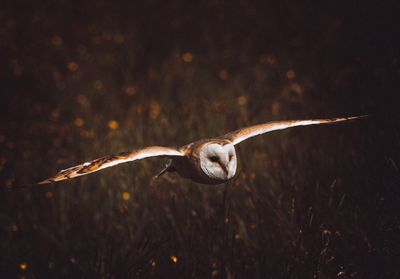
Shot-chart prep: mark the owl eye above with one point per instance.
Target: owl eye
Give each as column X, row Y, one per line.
column 214, row 159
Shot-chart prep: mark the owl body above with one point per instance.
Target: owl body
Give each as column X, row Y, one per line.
column 207, row 161
column 198, row 164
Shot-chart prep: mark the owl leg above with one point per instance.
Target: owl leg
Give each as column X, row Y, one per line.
column 168, row 168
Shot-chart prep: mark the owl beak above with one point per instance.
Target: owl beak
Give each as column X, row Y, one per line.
column 224, row 169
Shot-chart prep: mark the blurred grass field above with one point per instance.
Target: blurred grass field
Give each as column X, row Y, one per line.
column 85, row 80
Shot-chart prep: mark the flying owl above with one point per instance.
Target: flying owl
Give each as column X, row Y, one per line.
column 207, row 161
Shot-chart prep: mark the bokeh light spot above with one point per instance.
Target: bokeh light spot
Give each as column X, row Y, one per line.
column 126, row 196
column 113, row 124
column 23, row 266
column 81, row 99
column 290, row 74
column 130, row 91
column 49, row 195
column 154, row 109
column 56, row 40
column 78, row 122
column 56, row 75
column 98, row 84
column 14, row 228
column 174, row 259
column 242, row 100
column 297, row 88
column 72, row 66
column 9, row 182
column 187, row 57
column 223, row 74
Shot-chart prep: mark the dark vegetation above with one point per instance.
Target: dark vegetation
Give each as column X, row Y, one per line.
column 82, row 80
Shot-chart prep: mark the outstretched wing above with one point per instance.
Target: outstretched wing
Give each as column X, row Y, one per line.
column 112, row 160
column 242, row 134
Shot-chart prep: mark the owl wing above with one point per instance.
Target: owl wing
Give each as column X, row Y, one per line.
column 242, row 134
column 112, row 160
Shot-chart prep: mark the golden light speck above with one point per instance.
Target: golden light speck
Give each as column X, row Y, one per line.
column 72, row 260
column 139, row 110
column 130, row 91
column 271, row 60
column 290, row 74
column 242, row 100
column 253, row 226
column 23, row 266
column 154, row 109
column 174, row 259
column 56, row 40
column 14, row 228
column 237, row 236
column 113, row 124
column 9, row 182
column 81, row 99
column 226, row 220
column 56, row 75
column 296, row 88
column 153, row 263
column 126, row 196
column 276, row 108
column 187, row 57
column 98, row 84
column 49, row 195
column 78, row 122
column 223, row 74
column 72, row 66
column 164, row 120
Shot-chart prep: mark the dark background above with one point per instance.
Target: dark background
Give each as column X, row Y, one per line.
column 86, row 79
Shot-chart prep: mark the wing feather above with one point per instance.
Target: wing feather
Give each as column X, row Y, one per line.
column 112, row 160
column 242, row 134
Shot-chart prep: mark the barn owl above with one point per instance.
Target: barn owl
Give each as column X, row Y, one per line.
column 207, row 161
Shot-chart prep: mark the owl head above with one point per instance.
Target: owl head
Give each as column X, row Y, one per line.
column 218, row 161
